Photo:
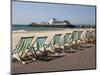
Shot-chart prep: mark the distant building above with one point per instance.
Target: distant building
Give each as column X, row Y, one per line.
column 39, row 23
column 53, row 23
column 43, row 23
column 57, row 22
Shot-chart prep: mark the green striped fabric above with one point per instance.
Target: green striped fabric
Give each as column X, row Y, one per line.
column 67, row 37
column 39, row 43
column 23, row 44
column 79, row 34
column 75, row 35
column 93, row 33
column 50, row 44
column 87, row 34
column 56, row 39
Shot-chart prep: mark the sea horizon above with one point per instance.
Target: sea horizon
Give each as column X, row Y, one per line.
column 21, row 28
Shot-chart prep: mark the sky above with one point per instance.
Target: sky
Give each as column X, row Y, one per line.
column 25, row 13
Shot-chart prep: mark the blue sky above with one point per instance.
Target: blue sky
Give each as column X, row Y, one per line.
column 27, row 12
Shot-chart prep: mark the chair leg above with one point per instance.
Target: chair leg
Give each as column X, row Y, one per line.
column 46, row 54
column 19, row 59
column 35, row 53
column 32, row 55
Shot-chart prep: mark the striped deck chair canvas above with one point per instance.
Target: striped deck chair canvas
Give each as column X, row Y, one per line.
column 49, row 44
column 74, row 37
column 83, row 37
column 93, row 33
column 67, row 42
column 67, row 39
column 22, row 48
column 54, row 43
column 61, row 41
column 79, row 34
column 58, row 44
column 92, row 36
column 88, row 36
column 56, row 39
column 38, row 47
column 79, row 37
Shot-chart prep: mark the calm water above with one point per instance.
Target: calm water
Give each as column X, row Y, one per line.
column 27, row 28
column 30, row 28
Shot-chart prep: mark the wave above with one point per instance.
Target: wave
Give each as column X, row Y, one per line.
column 19, row 31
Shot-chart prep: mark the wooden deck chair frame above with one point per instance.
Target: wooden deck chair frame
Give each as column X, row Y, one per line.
column 76, row 39
column 48, row 44
column 61, row 41
column 36, row 48
column 22, row 48
column 67, row 39
column 54, row 46
column 88, row 36
column 79, row 38
column 92, row 38
column 83, row 38
column 67, row 42
column 56, row 43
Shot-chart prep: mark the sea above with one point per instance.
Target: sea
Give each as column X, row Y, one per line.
column 23, row 28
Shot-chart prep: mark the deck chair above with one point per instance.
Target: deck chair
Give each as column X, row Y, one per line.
column 67, row 39
column 56, row 40
column 79, row 37
column 49, row 43
column 54, row 44
column 91, row 37
column 83, row 38
column 88, row 36
column 74, row 38
column 38, row 47
column 22, row 48
column 67, row 42
column 61, row 41
column 76, row 35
